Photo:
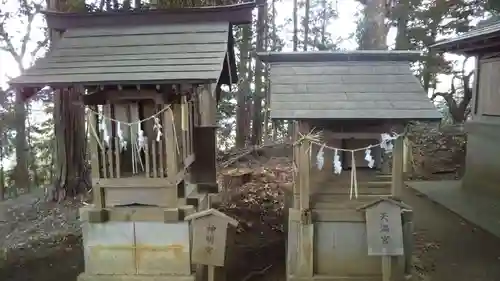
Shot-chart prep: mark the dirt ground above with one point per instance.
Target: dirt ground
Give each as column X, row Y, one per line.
column 447, row 248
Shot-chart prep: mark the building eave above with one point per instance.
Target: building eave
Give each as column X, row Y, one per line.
column 234, row 14
column 320, row 56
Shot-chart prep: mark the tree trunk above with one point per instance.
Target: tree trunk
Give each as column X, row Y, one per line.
column 324, row 22
column 273, row 48
column 305, row 23
column 257, row 104
column 402, row 12
column 71, row 173
column 2, row 172
column 71, row 176
column 295, row 26
column 32, row 164
column 266, row 86
column 429, row 63
column 295, row 46
column 374, row 36
column 21, row 170
column 249, row 99
column 244, row 89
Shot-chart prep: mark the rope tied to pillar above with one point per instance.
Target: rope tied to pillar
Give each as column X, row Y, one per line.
column 315, row 139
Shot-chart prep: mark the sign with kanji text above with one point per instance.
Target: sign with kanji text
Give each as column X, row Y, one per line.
column 209, row 230
column 384, row 229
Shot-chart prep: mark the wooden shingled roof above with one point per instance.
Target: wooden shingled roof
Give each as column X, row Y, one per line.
column 477, row 40
column 108, row 55
column 193, row 45
column 347, row 85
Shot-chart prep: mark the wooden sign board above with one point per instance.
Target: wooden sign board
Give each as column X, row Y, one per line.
column 384, row 229
column 209, row 229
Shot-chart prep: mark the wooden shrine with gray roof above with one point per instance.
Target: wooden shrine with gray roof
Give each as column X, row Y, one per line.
column 483, row 126
column 350, row 110
column 151, row 82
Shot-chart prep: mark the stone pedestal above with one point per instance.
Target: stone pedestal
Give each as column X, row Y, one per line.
column 340, row 249
column 136, row 251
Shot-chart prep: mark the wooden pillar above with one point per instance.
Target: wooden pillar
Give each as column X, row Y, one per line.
column 296, row 182
column 97, row 195
column 208, row 105
column 385, row 169
column 204, row 140
column 378, row 157
column 306, row 228
column 397, row 168
column 407, row 157
column 304, row 167
column 171, row 150
column 204, row 167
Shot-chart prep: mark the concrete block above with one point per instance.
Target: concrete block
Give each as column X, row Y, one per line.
column 93, row 215
column 109, row 248
column 342, row 250
column 185, row 211
column 92, row 277
column 163, row 248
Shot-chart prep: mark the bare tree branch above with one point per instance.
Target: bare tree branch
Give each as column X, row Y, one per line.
column 30, row 11
column 39, row 47
column 9, row 47
column 458, row 100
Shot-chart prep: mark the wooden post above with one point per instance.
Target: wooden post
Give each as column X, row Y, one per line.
column 208, row 105
column 184, row 127
column 296, row 182
column 407, row 156
column 407, row 218
column 211, row 273
column 304, row 167
column 397, row 168
column 106, row 110
column 94, row 156
column 117, row 158
column 177, row 112
column 171, row 144
column 386, row 268
column 306, row 229
column 205, row 148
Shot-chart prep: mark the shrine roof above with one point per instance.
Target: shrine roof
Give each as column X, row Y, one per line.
column 234, row 14
column 135, row 55
column 347, row 85
column 478, row 40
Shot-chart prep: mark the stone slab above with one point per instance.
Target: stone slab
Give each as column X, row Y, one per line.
column 91, row 277
column 109, row 247
column 332, row 278
column 137, row 248
column 478, row 208
column 163, row 248
column 129, row 213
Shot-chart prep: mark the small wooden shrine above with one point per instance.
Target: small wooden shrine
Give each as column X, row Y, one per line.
column 483, row 128
column 152, row 80
column 360, row 102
